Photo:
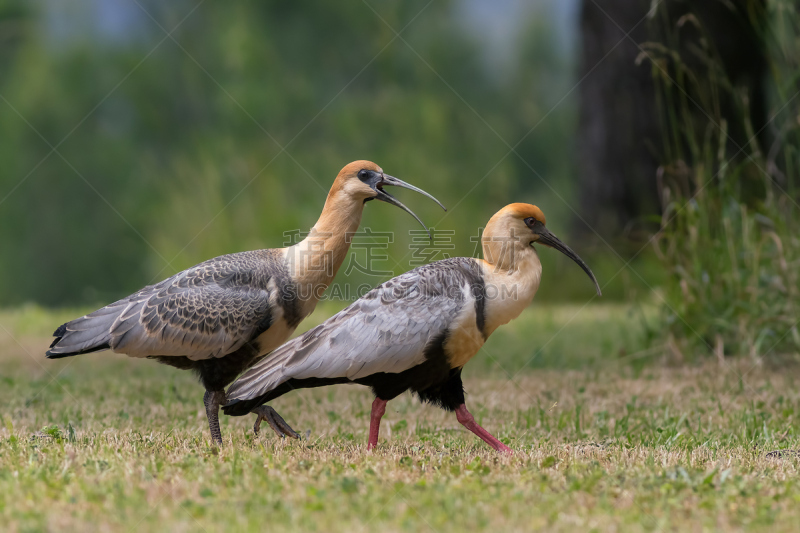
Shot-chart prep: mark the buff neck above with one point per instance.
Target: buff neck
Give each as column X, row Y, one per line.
column 314, row 261
column 511, row 271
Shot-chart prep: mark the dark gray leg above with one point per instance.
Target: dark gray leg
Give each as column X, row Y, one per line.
column 278, row 424
column 212, row 401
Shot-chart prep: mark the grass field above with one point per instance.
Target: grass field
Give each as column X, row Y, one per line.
column 607, row 437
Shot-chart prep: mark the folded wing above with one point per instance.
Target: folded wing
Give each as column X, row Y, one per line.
column 207, row 311
column 387, row 330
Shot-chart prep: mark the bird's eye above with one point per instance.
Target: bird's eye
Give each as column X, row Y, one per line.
column 530, row 221
column 363, row 174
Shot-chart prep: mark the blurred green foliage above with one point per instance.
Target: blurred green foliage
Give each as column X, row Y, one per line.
column 192, row 131
column 731, row 218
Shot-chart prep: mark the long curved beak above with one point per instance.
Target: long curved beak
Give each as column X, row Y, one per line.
column 547, row 238
column 384, row 196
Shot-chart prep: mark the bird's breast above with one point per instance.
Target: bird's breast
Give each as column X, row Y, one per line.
column 279, row 331
column 464, row 338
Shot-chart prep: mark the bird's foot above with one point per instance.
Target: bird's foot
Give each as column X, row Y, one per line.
column 783, row 453
column 502, row 448
column 275, row 421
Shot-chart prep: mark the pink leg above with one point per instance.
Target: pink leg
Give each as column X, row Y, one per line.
column 378, row 408
column 468, row 421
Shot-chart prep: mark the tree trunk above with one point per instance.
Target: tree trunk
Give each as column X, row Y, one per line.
column 620, row 138
column 618, row 130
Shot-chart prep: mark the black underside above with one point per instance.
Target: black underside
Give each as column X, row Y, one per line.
column 448, row 394
column 433, row 381
column 218, row 372
column 243, row 407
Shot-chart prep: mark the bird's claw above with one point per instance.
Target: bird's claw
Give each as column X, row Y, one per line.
column 275, row 421
column 783, row 453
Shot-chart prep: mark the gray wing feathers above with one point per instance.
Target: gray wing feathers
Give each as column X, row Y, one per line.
column 207, row 311
column 385, row 331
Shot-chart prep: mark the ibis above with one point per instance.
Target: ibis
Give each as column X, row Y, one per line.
column 219, row 316
column 416, row 331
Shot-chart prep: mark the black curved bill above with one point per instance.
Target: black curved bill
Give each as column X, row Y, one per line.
column 389, row 199
column 548, row 239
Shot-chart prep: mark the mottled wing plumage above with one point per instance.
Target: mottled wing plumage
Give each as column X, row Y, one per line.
column 207, row 311
column 387, row 330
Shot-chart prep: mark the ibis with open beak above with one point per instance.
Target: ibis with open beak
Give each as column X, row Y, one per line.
column 416, row 331
column 217, row 317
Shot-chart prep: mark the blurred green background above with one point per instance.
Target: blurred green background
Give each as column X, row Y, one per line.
column 184, row 131
column 142, row 137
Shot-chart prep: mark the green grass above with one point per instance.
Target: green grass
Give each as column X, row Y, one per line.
column 606, row 437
